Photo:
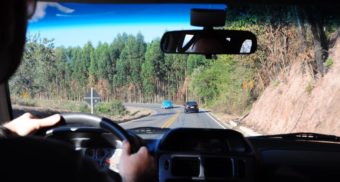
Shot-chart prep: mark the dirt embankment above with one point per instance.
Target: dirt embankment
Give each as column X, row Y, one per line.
column 300, row 103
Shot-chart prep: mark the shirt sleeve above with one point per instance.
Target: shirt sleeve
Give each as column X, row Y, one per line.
column 5, row 132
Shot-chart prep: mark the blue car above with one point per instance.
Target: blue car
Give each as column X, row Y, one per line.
column 167, row 104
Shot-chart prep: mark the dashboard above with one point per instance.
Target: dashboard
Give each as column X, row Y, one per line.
column 101, row 156
column 187, row 154
column 205, row 155
column 101, row 147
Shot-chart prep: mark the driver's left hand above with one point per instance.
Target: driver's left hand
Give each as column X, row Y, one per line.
column 27, row 124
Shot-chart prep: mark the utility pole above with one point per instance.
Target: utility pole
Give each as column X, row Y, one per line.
column 91, row 100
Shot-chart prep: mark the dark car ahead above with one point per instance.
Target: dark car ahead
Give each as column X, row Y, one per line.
column 191, row 106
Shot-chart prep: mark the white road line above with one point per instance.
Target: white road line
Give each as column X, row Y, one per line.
column 217, row 122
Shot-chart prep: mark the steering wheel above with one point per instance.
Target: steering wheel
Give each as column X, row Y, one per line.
column 81, row 119
column 57, row 159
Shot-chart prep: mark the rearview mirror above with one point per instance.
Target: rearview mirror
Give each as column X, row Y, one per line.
column 209, row 42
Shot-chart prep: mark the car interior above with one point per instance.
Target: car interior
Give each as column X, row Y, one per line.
column 182, row 154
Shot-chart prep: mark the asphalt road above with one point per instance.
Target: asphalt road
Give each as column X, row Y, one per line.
column 172, row 118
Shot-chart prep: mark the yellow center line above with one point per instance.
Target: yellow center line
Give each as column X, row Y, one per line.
column 171, row 120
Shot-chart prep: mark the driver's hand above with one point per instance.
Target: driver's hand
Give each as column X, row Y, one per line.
column 27, row 123
column 139, row 166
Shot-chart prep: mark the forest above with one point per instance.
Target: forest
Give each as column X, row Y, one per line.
column 127, row 69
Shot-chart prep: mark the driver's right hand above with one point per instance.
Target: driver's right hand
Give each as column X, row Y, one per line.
column 139, row 166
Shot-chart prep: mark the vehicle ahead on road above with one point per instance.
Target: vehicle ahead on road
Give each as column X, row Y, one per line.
column 167, row 104
column 181, row 154
column 191, row 106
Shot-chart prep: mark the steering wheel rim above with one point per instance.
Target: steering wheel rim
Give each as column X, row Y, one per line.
column 98, row 122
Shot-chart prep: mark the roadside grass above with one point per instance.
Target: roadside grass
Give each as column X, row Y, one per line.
column 24, row 102
column 113, row 108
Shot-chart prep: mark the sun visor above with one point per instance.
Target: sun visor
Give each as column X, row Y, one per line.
column 13, row 25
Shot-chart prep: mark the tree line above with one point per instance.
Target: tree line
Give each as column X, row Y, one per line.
column 127, row 69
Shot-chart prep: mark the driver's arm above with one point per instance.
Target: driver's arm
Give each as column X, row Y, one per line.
column 139, row 166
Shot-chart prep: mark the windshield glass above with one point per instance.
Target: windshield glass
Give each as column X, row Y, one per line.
column 105, row 59
column 191, row 103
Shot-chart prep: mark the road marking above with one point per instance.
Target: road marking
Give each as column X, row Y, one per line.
column 215, row 120
column 171, row 120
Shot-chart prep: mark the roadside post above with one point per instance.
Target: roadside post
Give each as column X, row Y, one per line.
column 92, row 98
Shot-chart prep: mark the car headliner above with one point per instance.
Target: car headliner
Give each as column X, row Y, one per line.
column 305, row 2
column 318, row 5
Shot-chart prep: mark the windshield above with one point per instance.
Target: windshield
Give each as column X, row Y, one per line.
column 105, row 59
column 191, row 103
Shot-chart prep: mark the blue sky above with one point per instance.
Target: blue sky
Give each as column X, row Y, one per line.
column 71, row 24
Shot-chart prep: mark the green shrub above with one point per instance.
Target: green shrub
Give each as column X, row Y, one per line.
column 84, row 108
column 118, row 108
column 103, row 108
column 110, row 108
column 328, row 64
column 224, row 86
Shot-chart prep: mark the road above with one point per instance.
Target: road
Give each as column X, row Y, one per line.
column 172, row 118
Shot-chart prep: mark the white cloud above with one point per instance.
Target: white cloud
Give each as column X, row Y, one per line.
column 40, row 11
column 63, row 15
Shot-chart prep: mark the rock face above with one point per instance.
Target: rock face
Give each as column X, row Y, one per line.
column 300, row 103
